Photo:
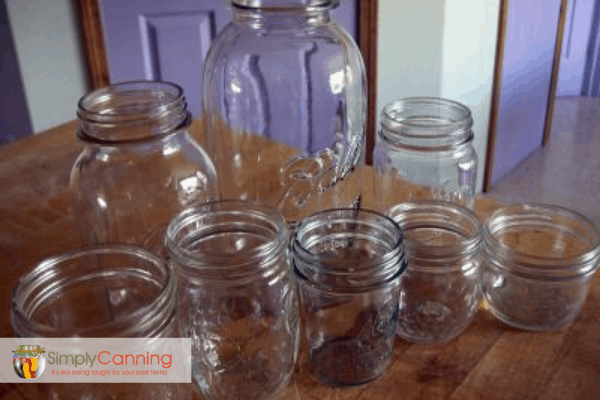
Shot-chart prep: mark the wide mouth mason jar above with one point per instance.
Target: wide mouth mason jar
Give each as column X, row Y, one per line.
column 426, row 142
column 237, row 297
column 97, row 291
column 439, row 293
column 348, row 264
column 539, row 262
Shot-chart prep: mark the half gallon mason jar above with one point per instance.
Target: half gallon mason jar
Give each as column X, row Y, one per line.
column 539, row 263
column 103, row 291
column 237, row 298
column 348, row 264
column 284, row 106
column 425, row 150
column 139, row 165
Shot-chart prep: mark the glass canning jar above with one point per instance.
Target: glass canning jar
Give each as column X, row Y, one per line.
column 539, row 262
column 439, row 293
column 348, row 265
column 427, row 142
column 285, row 96
column 237, row 298
column 102, row 291
column 139, row 165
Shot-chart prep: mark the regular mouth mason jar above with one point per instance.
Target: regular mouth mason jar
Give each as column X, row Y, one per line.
column 426, row 143
column 348, row 264
column 103, row 291
column 237, row 298
column 439, row 293
column 139, row 165
column 284, row 106
column 539, row 263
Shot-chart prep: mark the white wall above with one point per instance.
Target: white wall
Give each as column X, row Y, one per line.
column 468, row 58
column 47, row 43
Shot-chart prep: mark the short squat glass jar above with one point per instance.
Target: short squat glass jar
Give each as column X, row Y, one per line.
column 284, row 106
column 439, row 293
column 105, row 291
column 426, row 143
column 348, row 264
column 237, row 298
column 539, row 262
column 140, row 164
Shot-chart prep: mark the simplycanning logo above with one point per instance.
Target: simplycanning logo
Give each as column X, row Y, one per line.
column 29, row 361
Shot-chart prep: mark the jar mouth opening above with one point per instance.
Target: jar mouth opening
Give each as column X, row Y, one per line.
column 284, row 5
column 438, row 230
column 426, row 122
column 348, row 250
column 542, row 237
column 227, row 236
column 131, row 112
column 60, row 275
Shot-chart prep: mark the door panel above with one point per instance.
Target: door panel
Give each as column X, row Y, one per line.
column 155, row 39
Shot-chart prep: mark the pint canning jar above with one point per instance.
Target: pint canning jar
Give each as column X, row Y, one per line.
column 427, row 142
column 539, row 262
column 237, row 298
column 439, row 293
column 348, row 264
column 139, row 165
column 285, row 97
column 103, row 291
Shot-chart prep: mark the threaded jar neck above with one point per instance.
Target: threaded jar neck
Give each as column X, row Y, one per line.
column 96, row 291
column 229, row 242
column 284, row 5
column 542, row 242
column 426, row 124
column 131, row 112
column 437, row 234
column 348, row 251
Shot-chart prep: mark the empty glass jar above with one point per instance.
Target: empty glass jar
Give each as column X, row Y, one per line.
column 539, row 262
column 348, row 264
column 427, row 143
column 284, row 105
column 237, row 298
column 106, row 291
column 439, row 293
column 139, row 166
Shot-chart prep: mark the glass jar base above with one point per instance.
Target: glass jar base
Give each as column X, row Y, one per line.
column 551, row 326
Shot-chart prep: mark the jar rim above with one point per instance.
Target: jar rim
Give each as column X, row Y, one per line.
column 42, row 272
column 258, row 212
column 392, row 262
column 120, row 105
column 447, row 216
column 426, row 123
column 558, row 219
column 278, row 5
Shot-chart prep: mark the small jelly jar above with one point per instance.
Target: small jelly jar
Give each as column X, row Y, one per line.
column 348, row 264
column 439, row 293
column 237, row 298
column 539, row 262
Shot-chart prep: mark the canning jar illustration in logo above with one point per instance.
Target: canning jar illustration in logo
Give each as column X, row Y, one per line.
column 29, row 361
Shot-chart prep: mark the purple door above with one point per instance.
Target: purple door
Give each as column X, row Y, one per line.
column 168, row 40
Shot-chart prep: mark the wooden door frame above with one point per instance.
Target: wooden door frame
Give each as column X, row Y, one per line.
column 497, row 86
column 92, row 39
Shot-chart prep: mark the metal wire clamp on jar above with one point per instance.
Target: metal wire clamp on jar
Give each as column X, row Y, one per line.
column 139, row 166
column 348, row 264
column 284, row 72
column 440, row 290
column 426, row 142
column 539, row 261
column 237, row 298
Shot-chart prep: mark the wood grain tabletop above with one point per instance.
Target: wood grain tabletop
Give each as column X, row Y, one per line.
column 489, row 361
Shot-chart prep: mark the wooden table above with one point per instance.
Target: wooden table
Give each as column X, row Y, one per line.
column 488, row 361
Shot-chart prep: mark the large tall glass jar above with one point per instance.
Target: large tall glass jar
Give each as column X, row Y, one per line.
column 284, row 105
column 425, row 144
column 139, row 166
